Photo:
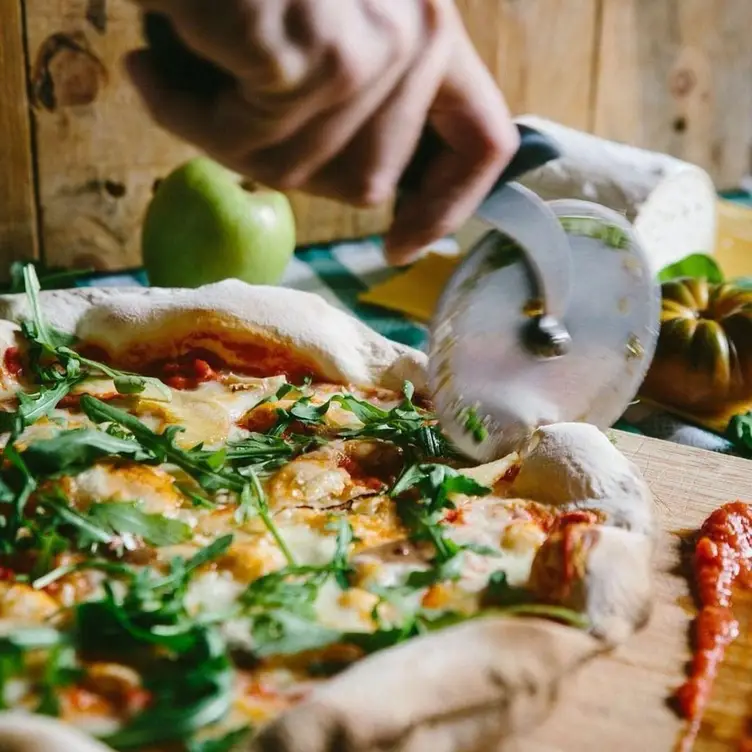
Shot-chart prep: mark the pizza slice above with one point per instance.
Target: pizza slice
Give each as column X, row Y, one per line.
column 230, row 520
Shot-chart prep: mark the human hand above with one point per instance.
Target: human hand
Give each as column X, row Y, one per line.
column 331, row 97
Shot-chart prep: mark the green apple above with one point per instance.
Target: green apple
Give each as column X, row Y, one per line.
column 204, row 225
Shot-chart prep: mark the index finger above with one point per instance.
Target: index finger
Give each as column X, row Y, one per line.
column 480, row 139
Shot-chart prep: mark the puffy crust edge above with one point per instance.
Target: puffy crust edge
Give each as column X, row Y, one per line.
column 463, row 688
column 133, row 323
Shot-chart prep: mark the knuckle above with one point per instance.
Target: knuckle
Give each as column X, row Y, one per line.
column 439, row 228
column 373, row 190
column 291, row 180
column 495, row 148
column 349, row 70
column 250, row 21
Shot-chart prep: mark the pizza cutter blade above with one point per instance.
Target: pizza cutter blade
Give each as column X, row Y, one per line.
column 552, row 317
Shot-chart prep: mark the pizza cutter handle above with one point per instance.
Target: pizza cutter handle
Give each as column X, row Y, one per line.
column 534, row 151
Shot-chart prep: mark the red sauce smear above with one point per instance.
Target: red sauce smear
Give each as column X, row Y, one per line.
column 12, row 361
column 199, row 364
column 722, row 563
column 358, row 474
column 188, row 372
column 72, row 401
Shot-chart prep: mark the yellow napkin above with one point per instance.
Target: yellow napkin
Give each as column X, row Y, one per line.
column 734, row 245
column 416, row 292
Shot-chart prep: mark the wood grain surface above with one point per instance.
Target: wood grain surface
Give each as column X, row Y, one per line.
column 620, row 703
column 676, row 76
column 18, row 219
column 542, row 53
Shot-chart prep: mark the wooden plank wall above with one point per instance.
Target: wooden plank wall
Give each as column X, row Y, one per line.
column 18, row 219
column 671, row 75
column 676, row 76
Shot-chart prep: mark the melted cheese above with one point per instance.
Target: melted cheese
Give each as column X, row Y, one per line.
column 495, row 523
column 152, row 486
column 21, row 604
column 349, row 475
column 313, row 481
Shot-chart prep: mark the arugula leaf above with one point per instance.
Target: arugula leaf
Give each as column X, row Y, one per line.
column 163, row 448
column 548, row 611
column 435, row 483
column 405, row 425
column 150, row 612
column 190, row 693
column 739, row 432
column 474, row 425
column 293, row 589
column 280, row 632
column 499, row 593
column 696, row 265
column 71, row 452
column 200, row 465
column 13, row 647
column 46, row 336
column 88, row 528
column 51, row 343
column 446, row 570
column 31, row 638
column 282, row 603
column 504, row 598
column 117, row 569
column 262, row 452
column 225, row 743
column 192, row 682
column 125, row 383
column 128, row 384
column 23, row 489
column 60, row 670
column 154, row 529
column 33, row 407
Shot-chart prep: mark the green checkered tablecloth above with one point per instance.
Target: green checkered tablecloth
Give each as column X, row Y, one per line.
column 340, row 272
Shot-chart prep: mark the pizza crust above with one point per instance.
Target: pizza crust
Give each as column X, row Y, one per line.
column 24, row 732
column 132, row 324
column 466, row 687
column 463, row 688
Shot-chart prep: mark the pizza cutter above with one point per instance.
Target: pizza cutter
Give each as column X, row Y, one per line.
column 552, row 317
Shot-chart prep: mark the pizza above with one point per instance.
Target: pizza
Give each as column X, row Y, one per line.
column 231, row 521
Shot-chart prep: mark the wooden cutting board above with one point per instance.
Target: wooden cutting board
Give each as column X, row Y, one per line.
column 620, row 702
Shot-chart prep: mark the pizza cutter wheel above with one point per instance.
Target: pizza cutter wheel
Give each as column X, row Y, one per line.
column 552, row 317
